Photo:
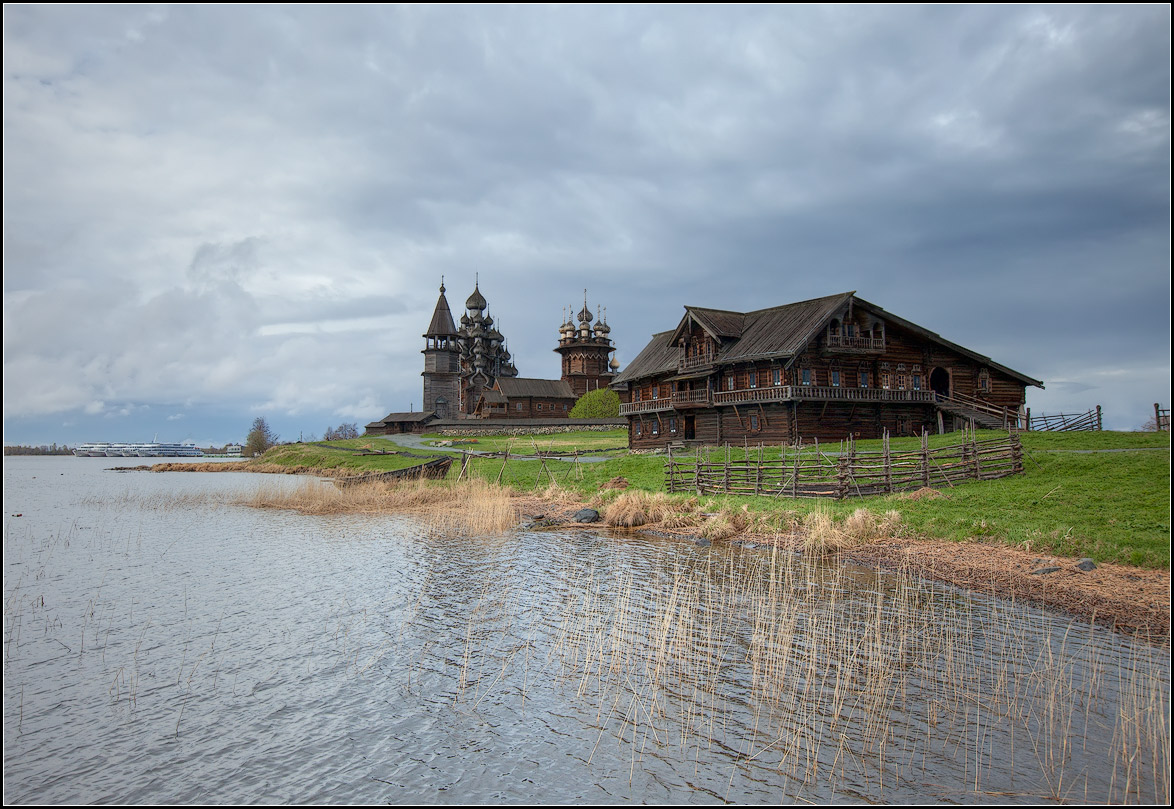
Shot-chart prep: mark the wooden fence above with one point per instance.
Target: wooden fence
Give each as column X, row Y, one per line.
column 1060, row 422
column 1161, row 417
column 812, row 472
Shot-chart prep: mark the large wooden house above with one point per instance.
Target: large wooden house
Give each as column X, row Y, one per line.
column 825, row 368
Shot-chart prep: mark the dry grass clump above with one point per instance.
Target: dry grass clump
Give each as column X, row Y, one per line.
column 473, row 506
column 823, row 535
column 862, row 526
column 924, row 493
column 635, row 508
column 723, row 525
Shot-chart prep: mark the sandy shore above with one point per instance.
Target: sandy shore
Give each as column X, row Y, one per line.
column 1127, row 599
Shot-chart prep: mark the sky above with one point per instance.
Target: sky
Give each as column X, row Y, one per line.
column 215, row 213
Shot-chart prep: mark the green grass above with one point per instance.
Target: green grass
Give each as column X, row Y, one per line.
column 1112, row 506
column 525, row 444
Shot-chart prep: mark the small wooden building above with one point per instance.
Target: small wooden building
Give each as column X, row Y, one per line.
column 825, row 368
column 400, row 423
column 522, row 398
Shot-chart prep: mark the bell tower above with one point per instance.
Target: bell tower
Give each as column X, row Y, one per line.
column 442, row 362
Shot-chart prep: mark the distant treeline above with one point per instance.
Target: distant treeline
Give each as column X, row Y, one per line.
column 42, row 450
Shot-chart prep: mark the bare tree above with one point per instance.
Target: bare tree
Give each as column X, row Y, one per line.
column 260, row 438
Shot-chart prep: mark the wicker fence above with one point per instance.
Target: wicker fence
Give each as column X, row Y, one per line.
column 812, row 472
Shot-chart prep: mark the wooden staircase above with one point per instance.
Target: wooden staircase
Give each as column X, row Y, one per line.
column 982, row 414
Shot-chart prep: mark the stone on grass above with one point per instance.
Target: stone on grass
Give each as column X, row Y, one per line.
column 586, row 515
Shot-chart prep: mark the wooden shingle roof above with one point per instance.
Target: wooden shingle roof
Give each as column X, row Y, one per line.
column 521, row 387
column 780, row 332
column 442, row 324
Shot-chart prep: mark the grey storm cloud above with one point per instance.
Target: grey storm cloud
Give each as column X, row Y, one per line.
column 258, row 202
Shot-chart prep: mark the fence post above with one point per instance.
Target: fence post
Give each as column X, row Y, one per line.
column 1098, row 417
column 1157, row 416
column 726, row 484
column 888, row 463
column 672, row 488
column 1027, row 423
column 795, row 477
column 924, row 457
column 1016, row 453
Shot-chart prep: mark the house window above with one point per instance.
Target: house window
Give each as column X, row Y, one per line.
column 540, row 405
column 656, row 428
column 672, row 425
column 639, row 429
column 806, row 376
column 849, row 329
column 864, row 377
column 777, row 376
column 754, row 422
column 656, row 391
column 730, row 382
column 917, row 382
column 984, row 380
column 835, row 378
column 754, row 377
column 636, row 395
column 564, row 407
column 518, row 407
column 886, row 380
column 902, row 380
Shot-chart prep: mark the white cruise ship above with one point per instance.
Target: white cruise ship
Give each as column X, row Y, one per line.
column 152, row 449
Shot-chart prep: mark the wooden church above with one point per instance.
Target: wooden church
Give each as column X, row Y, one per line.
column 469, row 372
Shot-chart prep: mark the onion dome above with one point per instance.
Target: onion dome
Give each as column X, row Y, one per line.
column 488, row 321
column 585, row 315
column 476, row 301
column 614, row 364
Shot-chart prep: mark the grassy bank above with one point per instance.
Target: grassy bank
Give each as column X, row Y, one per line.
column 1105, row 495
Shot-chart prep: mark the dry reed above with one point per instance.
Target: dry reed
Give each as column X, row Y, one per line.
column 472, row 506
column 852, row 684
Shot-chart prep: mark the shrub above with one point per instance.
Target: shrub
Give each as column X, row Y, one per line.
column 597, row 404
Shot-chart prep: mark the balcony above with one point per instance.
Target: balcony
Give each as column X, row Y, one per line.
column 840, row 342
column 691, row 398
column 695, row 363
column 786, row 393
column 776, row 393
column 678, row 401
column 646, row 406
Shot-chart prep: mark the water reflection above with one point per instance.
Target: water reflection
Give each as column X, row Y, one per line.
column 161, row 646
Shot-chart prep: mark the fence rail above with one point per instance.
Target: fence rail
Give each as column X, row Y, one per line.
column 1161, row 417
column 800, row 472
column 1066, row 421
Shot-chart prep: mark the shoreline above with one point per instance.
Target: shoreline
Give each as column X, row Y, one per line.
column 1126, row 599
column 1130, row 600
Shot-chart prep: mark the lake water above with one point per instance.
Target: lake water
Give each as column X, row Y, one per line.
column 163, row 645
